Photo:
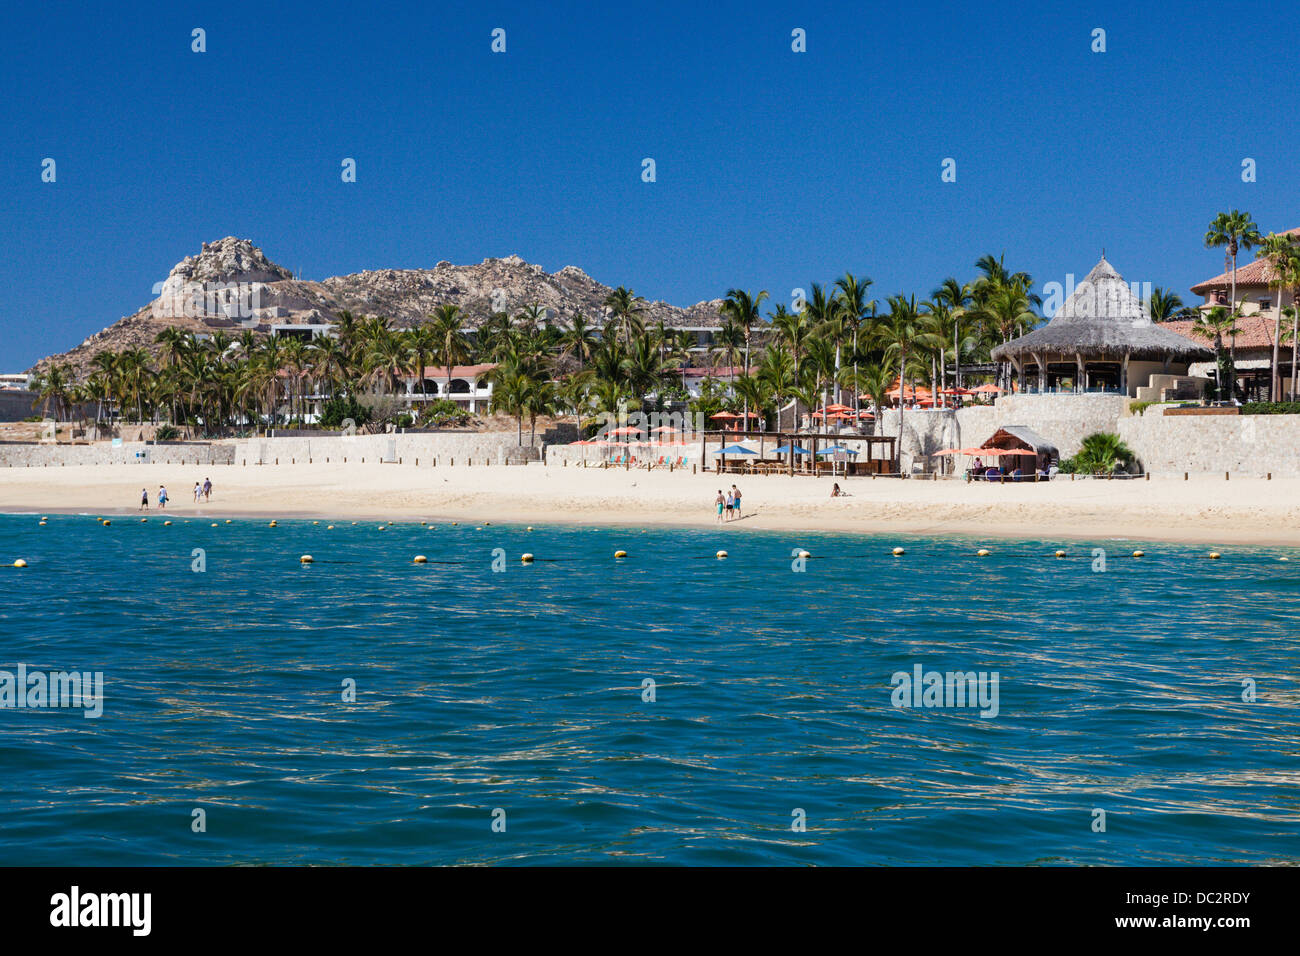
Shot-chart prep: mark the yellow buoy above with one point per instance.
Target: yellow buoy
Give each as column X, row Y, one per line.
column 305, row 559
column 1139, row 554
column 1284, row 559
column 530, row 528
column 805, row 554
column 45, row 517
column 315, row 522
column 526, row 558
column 1214, row 555
column 382, row 527
column 983, row 552
column 620, row 554
column 165, row 523
column 227, row 521
column 421, row 559
column 20, row 563
column 214, row 524
column 898, row 552
column 722, row 554
column 144, row 519
column 107, row 522
column 453, row 524
column 271, row 524
column 329, row 527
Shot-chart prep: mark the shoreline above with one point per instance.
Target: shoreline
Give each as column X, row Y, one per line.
column 1200, row 511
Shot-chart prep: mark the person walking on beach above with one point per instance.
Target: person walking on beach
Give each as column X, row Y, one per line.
column 162, row 498
column 731, row 503
column 735, row 496
column 719, row 501
column 207, row 489
column 144, row 499
column 197, row 491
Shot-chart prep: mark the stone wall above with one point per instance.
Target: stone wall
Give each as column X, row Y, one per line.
column 1249, row 444
column 481, row 446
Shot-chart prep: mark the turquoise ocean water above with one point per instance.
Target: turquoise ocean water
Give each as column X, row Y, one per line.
column 521, row 691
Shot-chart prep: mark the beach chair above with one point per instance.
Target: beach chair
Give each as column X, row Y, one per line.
column 1017, row 475
column 993, row 474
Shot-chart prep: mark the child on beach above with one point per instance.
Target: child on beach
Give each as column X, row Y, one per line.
column 144, row 500
column 719, row 501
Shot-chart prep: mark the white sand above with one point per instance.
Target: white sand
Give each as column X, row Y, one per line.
column 1205, row 509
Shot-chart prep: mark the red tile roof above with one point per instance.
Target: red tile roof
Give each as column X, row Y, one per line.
column 1253, row 331
column 459, row 371
column 1255, row 272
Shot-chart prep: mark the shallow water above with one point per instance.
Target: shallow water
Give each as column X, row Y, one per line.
column 522, row 691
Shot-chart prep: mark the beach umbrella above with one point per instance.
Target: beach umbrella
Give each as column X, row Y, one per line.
column 735, row 450
column 833, row 449
column 785, row 450
column 986, row 390
column 628, row 430
column 726, row 415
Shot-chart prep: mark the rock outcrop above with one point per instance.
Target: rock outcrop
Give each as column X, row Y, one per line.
column 231, row 285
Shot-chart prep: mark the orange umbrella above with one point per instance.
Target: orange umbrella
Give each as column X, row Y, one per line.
column 986, row 390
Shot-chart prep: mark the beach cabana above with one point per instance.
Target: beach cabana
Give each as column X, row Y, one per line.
column 1023, row 444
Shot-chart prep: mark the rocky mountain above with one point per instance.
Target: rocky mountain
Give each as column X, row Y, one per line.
column 231, row 285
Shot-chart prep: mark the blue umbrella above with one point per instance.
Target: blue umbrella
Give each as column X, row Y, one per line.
column 785, row 450
column 735, row 450
column 834, row 448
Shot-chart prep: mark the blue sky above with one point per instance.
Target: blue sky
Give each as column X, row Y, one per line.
column 774, row 168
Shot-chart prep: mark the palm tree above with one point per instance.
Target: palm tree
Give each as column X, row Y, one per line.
column 1236, row 230
column 742, row 308
column 452, row 342
column 856, row 308
column 876, row 380
column 903, row 331
column 1163, row 304
column 1284, row 260
column 625, row 306
column 579, row 340
column 422, row 342
column 956, row 298
column 1214, row 325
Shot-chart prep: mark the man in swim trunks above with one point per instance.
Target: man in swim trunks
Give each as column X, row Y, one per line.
column 719, row 501
column 144, row 499
column 735, row 494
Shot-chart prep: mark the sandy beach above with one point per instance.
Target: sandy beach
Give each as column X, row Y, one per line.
column 1201, row 510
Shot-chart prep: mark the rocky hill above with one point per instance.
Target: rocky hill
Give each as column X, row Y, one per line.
column 231, row 285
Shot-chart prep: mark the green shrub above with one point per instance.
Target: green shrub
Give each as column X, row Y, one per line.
column 1102, row 453
column 1271, row 408
column 166, row 433
column 444, row 412
column 1137, row 408
column 339, row 408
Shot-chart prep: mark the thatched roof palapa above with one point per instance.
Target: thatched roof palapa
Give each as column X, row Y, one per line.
column 1102, row 319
